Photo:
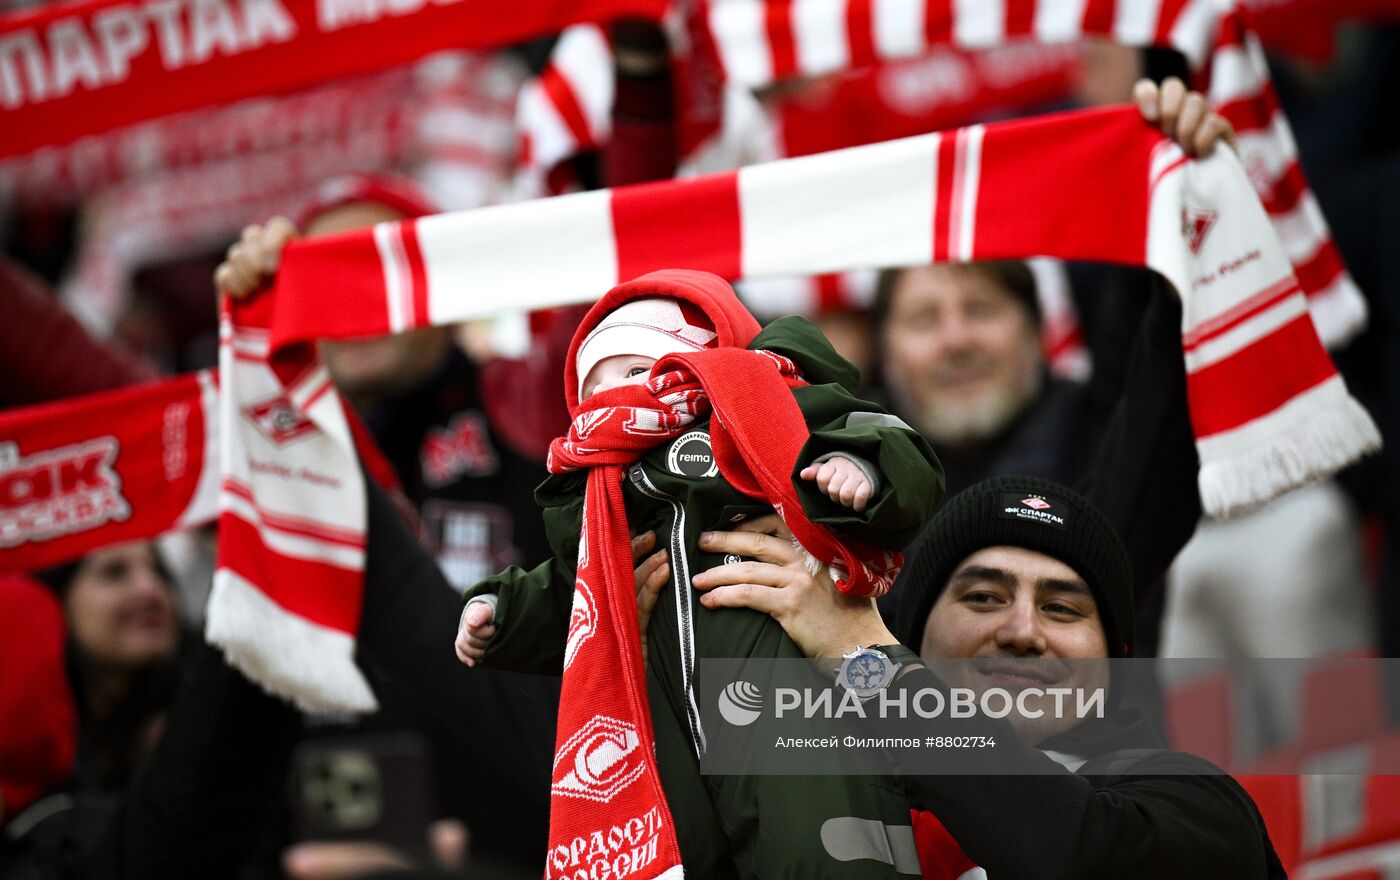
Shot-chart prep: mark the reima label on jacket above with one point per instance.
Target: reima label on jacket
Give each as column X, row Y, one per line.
column 692, row 456
column 1032, row 508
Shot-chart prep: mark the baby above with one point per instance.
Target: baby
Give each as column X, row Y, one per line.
column 644, row 327
column 862, row 473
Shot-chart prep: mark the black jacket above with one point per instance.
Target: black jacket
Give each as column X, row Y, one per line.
column 1132, row 809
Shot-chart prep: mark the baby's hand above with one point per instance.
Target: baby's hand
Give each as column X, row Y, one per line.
column 475, row 631
column 842, row 481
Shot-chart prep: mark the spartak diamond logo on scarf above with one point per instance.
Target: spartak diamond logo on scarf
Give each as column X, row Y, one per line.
column 1195, row 226
column 588, row 422
column 58, row 491
column 582, row 621
column 279, row 421
column 1037, row 503
column 594, row 763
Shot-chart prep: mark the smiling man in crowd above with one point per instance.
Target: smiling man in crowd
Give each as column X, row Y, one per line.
column 1026, row 577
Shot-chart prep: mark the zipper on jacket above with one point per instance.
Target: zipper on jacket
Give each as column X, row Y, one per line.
column 680, row 578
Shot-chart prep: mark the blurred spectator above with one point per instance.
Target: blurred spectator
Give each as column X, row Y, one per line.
column 1349, row 141
column 962, row 354
column 960, row 359
column 124, row 640
column 177, row 755
column 37, row 721
column 1284, row 581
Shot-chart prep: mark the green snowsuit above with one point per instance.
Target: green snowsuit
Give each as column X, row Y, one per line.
column 728, row 826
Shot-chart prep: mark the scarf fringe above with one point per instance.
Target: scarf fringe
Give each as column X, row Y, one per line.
column 1310, row 438
column 312, row 666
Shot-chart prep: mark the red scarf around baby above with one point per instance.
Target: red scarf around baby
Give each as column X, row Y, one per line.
column 605, row 774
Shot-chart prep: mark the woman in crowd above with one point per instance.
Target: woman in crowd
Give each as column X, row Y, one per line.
column 123, row 644
column 177, row 754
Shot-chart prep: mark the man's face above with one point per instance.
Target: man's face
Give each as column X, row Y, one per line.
column 962, row 355
column 1019, row 613
column 367, row 370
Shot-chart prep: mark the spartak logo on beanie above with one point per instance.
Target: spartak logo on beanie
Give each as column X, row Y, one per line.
column 1032, row 508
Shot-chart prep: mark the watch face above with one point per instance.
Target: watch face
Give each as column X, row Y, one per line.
column 866, row 672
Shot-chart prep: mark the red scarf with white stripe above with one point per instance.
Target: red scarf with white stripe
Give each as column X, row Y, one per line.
column 95, row 66
column 1268, row 408
column 605, row 769
column 292, row 509
column 762, row 42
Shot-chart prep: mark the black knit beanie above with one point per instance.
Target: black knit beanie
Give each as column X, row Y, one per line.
column 1024, row 512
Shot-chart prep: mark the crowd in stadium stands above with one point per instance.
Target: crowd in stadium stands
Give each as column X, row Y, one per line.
column 129, row 748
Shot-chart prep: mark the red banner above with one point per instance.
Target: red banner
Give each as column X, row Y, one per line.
column 381, row 102
column 97, row 470
column 69, row 71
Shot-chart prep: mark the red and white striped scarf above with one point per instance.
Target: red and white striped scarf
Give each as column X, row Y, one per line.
column 292, row 508
column 605, row 768
column 762, row 42
column 1269, row 410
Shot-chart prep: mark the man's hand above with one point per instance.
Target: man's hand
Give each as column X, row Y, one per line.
column 841, row 480
column 254, row 258
column 1182, row 115
column 823, row 621
column 475, row 630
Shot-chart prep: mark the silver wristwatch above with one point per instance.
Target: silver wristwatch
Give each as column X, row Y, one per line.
column 865, row 671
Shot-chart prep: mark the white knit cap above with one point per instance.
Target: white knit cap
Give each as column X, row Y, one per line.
column 652, row 327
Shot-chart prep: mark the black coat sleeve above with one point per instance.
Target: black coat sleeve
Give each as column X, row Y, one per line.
column 1143, row 475
column 1173, row 816
column 503, row 722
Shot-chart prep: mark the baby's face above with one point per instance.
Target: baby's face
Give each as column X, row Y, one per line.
column 620, row 369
